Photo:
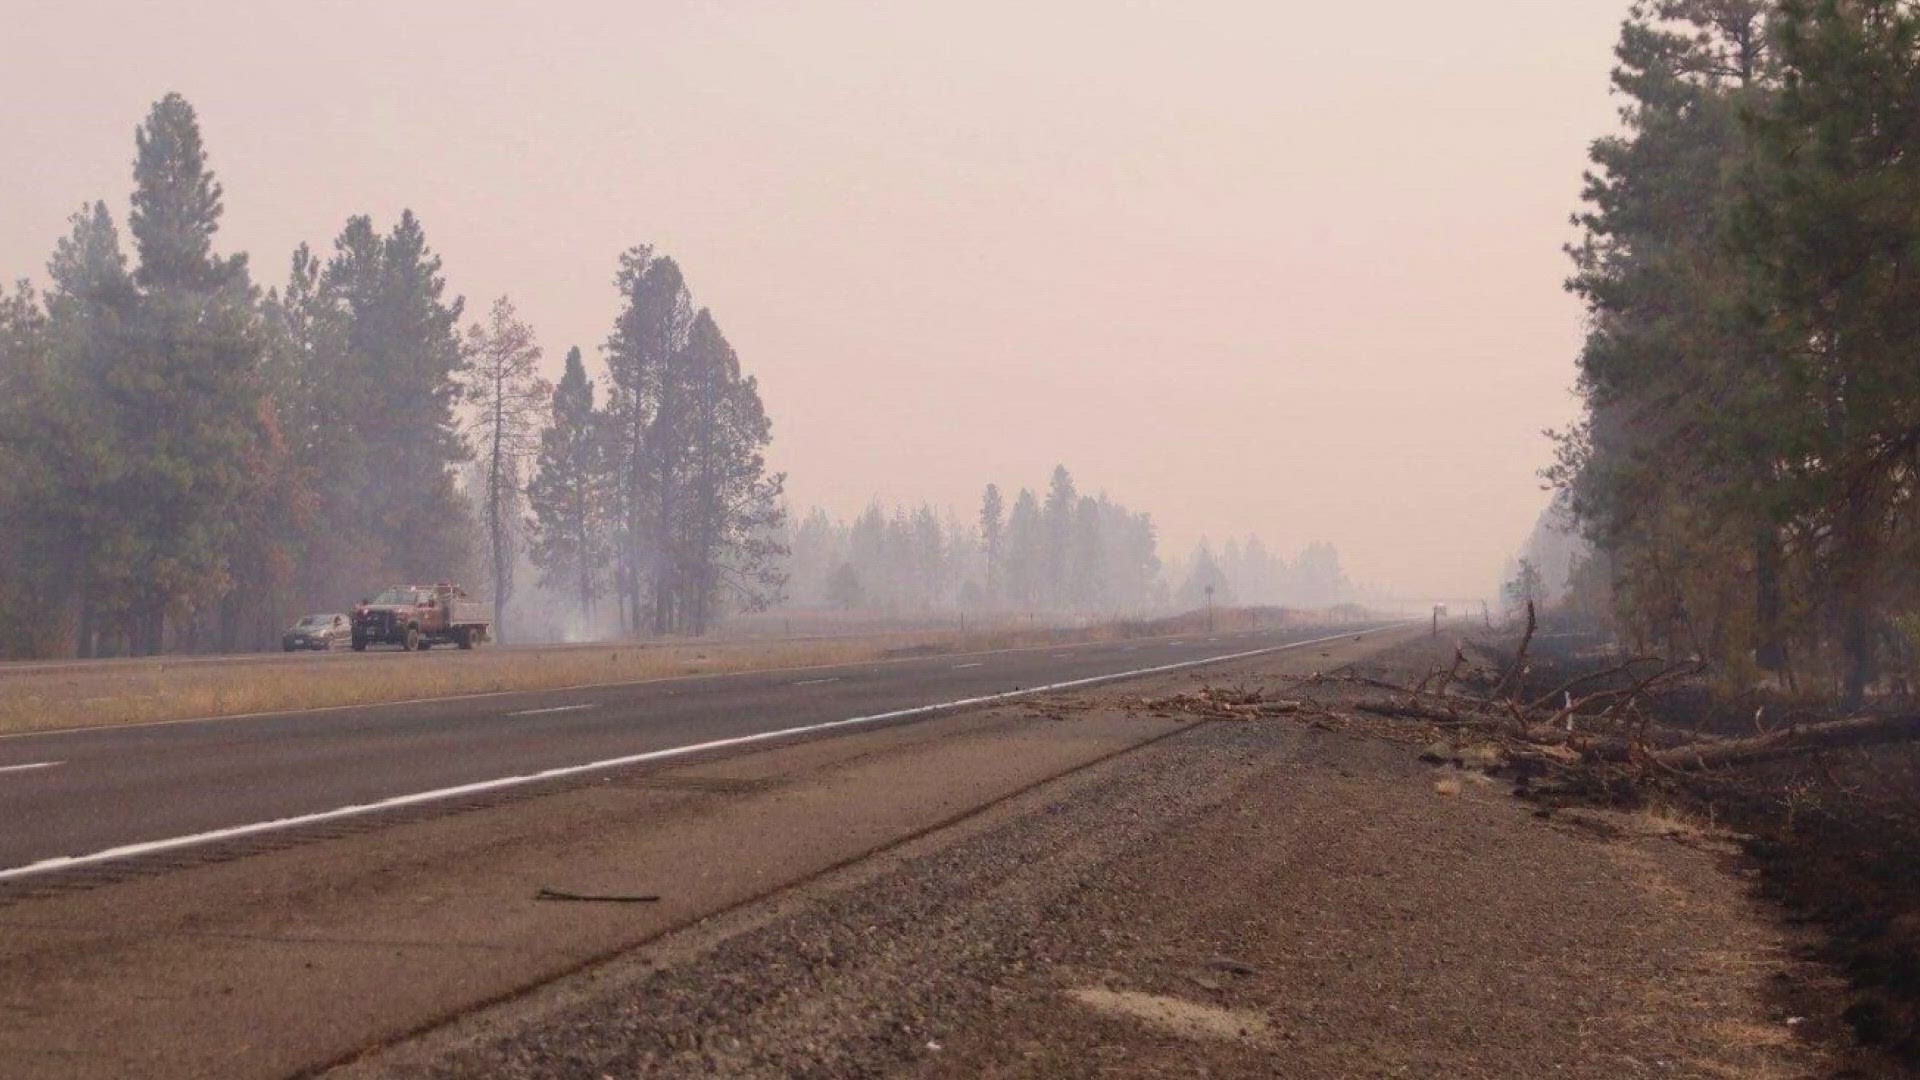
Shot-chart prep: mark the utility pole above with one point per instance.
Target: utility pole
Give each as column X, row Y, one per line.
column 1209, row 609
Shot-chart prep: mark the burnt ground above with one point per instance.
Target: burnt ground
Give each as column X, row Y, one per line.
column 1291, row 895
column 1831, row 841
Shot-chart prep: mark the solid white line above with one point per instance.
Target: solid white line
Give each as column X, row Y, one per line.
column 817, row 682
column 32, row 765
column 963, row 667
column 152, row 847
column 555, row 709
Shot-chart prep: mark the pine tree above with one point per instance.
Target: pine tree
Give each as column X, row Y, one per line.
column 506, row 396
column 1679, row 372
column 189, row 385
column 88, row 453
column 729, row 511
column 843, row 587
column 1206, row 583
column 1830, row 225
column 568, row 493
column 33, row 543
column 319, row 399
column 1026, row 559
column 992, row 534
column 644, row 401
column 396, row 369
column 1058, row 554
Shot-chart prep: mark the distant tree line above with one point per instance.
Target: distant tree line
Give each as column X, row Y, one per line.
column 186, row 462
column 1246, row 572
column 1747, row 464
column 1061, row 552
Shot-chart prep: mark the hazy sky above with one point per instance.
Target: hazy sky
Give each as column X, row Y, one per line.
column 1290, row 268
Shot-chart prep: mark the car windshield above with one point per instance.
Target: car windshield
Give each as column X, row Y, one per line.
column 395, row 596
column 314, row 620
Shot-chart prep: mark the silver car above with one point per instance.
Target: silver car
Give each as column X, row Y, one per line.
column 317, row 632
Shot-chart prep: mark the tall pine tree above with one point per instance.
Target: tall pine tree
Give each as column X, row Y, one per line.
column 569, row 491
column 188, row 386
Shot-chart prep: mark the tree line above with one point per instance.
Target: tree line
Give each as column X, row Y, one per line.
column 1063, row 552
column 1746, row 464
column 186, row 461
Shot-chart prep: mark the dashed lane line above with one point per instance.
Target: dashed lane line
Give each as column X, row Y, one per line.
column 153, row 847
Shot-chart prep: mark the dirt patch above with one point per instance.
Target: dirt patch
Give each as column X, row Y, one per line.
column 1176, row 1016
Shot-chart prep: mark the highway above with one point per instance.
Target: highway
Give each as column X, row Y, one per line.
column 100, row 795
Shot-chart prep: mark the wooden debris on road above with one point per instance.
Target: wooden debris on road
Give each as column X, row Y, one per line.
column 586, row 898
column 1216, row 703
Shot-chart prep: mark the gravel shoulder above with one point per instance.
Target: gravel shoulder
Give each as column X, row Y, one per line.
column 1287, row 896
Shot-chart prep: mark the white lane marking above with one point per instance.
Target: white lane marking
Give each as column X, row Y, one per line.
column 30, row 765
column 1171, row 644
column 963, row 667
column 153, row 847
column 88, row 729
column 555, row 709
column 817, row 682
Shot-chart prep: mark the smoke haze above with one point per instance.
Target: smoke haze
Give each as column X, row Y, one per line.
column 1253, row 267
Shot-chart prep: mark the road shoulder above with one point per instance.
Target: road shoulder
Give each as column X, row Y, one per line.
column 1246, row 898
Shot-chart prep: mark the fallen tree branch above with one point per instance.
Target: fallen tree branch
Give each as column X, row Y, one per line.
column 585, row 898
column 1625, row 698
column 1414, row 709
column 1459, row 659
column 1567, row 687
column 1791, row 742
column 1519, row 658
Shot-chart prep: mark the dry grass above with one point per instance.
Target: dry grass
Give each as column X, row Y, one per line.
column 47, row 697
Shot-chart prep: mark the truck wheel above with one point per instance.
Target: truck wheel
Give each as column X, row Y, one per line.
column 411, row 641
column 466, row 637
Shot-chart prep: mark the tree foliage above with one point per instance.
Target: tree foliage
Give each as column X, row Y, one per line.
column 1746, row 463
column 506, row 396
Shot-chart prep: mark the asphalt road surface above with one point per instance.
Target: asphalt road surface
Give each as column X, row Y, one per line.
column 95, row 796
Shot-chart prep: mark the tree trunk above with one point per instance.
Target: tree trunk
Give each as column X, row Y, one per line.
column 1839, row 735
column 1768, row 652
column 84, row 648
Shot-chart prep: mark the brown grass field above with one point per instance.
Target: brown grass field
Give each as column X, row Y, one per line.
column 45, row 697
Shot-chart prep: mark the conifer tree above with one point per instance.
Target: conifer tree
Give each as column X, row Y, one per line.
column 568, row 492
column 398, row 371
column 87, row 449
column 644, row 402
column 189, row 383
column 725, row 538
column 506, row 396
column 1026, row 559
column 993, row 529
